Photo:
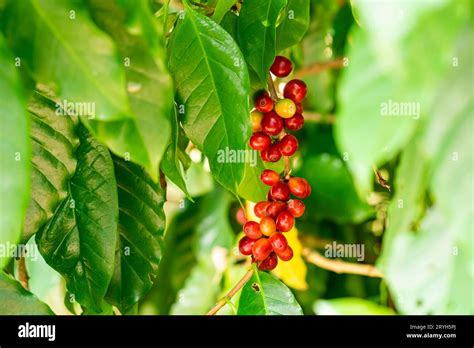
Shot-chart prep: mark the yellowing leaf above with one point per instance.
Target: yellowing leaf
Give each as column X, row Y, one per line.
column 293, row 272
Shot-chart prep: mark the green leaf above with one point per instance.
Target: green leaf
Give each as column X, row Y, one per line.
column 321, row 86
column 88, row 69
column 106, row 309
column 141, row 227
column 199, row 292
column 212, row 83
column 229, row 23
column 198, row 180
column 294, row 25
column 350, row 306
column 257, row 33
column 334, row 195
column 54, row 142
column 214, row 230
column 14, row 300
column 251, row 188
column 213, row 239
column 79, row 240
column 85, row 67
column 167, row 17
column 171, row 165
column 391, row 70
column 43, row 280
column 222, row 7
column 263, row 294
column 14, row 152
column 428, row 248
column 150, row 91
column 177, row 262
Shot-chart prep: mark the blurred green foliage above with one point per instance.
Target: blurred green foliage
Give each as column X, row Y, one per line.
column 387, row 54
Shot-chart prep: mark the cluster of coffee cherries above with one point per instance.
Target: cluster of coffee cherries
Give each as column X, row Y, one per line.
column 271, row 120
column 271, row 117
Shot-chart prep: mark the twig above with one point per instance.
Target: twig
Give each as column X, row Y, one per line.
column 23, row 276
column 287, row 161
column 271, row 87
column 318, row 67
column 314, row 117
column 223, row 301
column 381, row 181
column 274, row 95
column 339, row 266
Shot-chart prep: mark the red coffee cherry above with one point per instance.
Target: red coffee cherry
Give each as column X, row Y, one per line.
column 252, row 230
column 275, row 208
column 245, row 245
column 260, row 209
column 294, row 123
column 264, row 103
column 288, row 145
column 269, row 263
column 261, row 249
column 295, row 90
column 286, row 255
column 240, row 216
column 285, row 221
column 296, row 207
column 256, row 118
column 267, row 226
column 271, row 124
column 278, row 242
column 272, row 154
column 280, row 191
column 269, row 177
column 260, row 141
column 299, row 187
column 285, row 108
column 281, row 66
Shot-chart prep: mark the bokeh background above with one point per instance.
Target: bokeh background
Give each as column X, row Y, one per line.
column 356, row 57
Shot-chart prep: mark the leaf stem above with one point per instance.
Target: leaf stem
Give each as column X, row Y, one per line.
column 339, row 266
column 223, row 301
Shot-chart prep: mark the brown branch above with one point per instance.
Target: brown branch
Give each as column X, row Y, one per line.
column 318, row 67
column 223, row 301
column 23, row 276
column 314, row 117
column 339, row 266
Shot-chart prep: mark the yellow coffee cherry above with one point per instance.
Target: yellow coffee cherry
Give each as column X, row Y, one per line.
column 256, row 117
column 285, row 108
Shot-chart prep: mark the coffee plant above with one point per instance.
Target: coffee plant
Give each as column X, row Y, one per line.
column 245, row 157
